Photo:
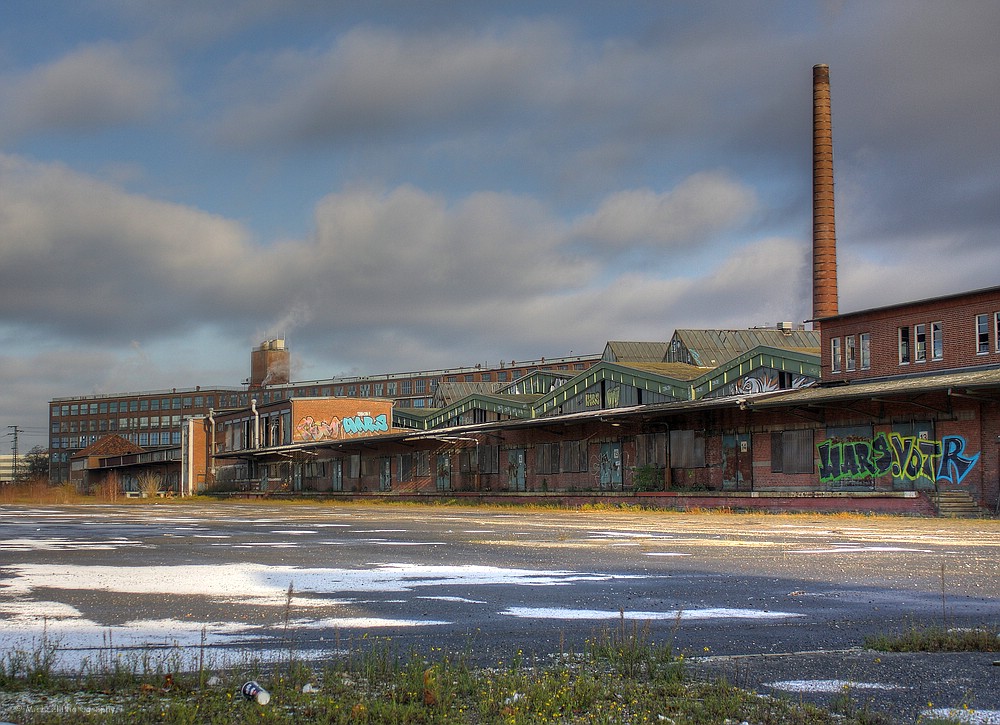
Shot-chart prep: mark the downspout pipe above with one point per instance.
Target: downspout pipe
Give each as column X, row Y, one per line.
column 256, row 423
column 211, row 443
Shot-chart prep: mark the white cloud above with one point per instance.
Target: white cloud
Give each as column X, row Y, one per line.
column 686, row 216
column 395, row 276
column 85, row 257
column 373, row 81
column 92, row 88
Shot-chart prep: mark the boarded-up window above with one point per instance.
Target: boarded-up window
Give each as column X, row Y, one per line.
column 369, row 466
column 687, row 449
column 574, row 456
column 489, row 459
column 466, row 460
column 404, row 470
column 792, row 451
column 547, row 457
column 422, row 463
column 354, row 466
column 651, row 449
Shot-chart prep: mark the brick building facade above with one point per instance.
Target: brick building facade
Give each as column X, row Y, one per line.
column 960, row 331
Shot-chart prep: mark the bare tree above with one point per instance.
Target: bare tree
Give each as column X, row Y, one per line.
column 110, row 488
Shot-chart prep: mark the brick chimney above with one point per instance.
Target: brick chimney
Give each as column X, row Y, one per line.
column 269, row 364
column 824, row 228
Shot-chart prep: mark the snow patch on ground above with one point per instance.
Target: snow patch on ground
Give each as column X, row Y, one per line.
column 268, row 585
column 709, row 613
column 58, row 544
column 831, row 686
column 455, row 599
column 363, row 623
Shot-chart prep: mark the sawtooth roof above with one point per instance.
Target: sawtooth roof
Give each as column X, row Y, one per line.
column 448, row 393
column 621, row 351
column 711, row 348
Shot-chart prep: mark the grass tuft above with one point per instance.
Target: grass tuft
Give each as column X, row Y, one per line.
column 937, row 639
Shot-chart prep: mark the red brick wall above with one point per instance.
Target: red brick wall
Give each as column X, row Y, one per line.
column 957, row 315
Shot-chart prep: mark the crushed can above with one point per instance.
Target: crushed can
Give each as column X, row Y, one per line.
column 253, row 691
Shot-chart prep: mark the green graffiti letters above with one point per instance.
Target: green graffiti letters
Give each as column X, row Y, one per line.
column 907, row 458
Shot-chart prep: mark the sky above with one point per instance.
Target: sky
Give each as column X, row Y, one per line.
column 397, row 185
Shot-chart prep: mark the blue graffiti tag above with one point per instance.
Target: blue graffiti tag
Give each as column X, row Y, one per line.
column 954, row 465
column 365, row 424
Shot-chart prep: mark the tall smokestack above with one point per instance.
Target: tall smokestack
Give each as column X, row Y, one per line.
column 824, row 228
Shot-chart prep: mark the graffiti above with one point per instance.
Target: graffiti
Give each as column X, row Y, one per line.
column 765, row 381
column 908, row 458
column 614, row 396
column 750, row 385
column 310, row 429
column 365, row 424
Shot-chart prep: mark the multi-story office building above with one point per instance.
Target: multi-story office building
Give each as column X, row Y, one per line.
column 151, row 419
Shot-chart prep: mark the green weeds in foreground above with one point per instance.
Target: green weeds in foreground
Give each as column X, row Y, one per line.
column 622, row 676
column 937, row 639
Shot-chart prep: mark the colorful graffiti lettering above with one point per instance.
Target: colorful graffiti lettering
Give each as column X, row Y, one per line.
column 365, row 424
column 907, row 458
column 310, row 429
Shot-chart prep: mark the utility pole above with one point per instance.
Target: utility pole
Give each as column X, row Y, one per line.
column 13, row 448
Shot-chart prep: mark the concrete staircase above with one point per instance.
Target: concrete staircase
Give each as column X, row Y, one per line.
column 957, row 503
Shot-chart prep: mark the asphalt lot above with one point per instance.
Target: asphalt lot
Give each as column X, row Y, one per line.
column 780, row 604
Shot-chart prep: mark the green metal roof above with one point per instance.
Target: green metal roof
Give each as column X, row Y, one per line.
column 620, row 352
column 711, row 348
column 448, row 393
column 513, row 406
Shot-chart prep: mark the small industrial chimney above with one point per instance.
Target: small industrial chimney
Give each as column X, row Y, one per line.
column 824, row 228
column 269, row 364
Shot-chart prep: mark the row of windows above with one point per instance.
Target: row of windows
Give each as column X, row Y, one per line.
column 917, row 350
column 152, row 439
column 133, row 406
column 856, row 353
column 114, row 424
column 916, row 343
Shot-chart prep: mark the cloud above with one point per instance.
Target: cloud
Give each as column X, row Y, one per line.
column 686, row 216
column 93, row 88
column 85, row 259
column 414, row 248
column 375, row 81
column 92, row 262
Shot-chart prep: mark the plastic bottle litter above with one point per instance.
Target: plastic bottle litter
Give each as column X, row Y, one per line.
column 253, row 691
